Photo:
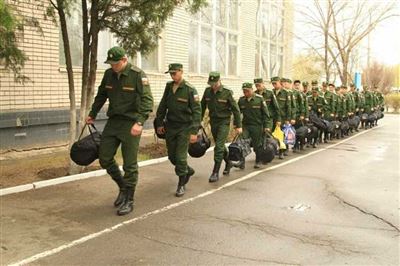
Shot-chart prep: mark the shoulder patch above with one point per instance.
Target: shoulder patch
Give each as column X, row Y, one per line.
column 145, row 81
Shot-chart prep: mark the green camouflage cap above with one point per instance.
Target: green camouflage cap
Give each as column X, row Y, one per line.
column 343, row 87
column 258, row 80
column 247, row 85
column 305, row 83
column 283, row 79
column 172, row 68
column 275, row 79
column 213, row 77
column 314, row 82
column 315, row 89
column 289, row 80
column 324, row 84
column 114, row 55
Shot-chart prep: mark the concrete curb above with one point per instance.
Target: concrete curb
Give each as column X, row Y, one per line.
column 70, row 178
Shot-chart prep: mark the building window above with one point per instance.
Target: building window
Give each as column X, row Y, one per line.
column 106, row 41
column 74, row 25
column 269, row 39
column 214, row 38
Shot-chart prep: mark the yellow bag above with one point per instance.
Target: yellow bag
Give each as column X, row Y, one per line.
column 278, row 134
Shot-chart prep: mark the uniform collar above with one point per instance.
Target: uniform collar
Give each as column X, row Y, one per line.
column 125, row 72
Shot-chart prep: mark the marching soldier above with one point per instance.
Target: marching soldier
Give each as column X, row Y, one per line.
column 306, row 91
column 349, row 102
column 256, row 119
column 302, row 108
column 219, row 101
column 329, row 113
column 287, row 85
column 344, row 104
column 130, row 101
column 356, row 98
column 285, row 105
column 314, row 84
column 335, row 97
column 316, row 103
column 180, row 107
column 369, row 105
column 269, row 98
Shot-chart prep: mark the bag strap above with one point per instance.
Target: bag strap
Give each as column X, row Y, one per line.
column 203, row 131
column 82, row 131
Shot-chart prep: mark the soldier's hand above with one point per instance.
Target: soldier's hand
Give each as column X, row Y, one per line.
column 136, row 130
column 362, row 109
column 301, row 117
column 332, row 115
column 319, row 110
column 356, row 109
column 161, row 130
column 292, row 121
column 287, row 122
column 349, row 113
column 193, row 138
column 372, row 109
column 278, row 124
column 267, row 130
column 238, row 130
column 89, row 120
column 306, row 119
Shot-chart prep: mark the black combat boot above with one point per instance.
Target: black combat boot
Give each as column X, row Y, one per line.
column 127, row 204
column 180, row 191
column 214, row 177
column 115, row 174
column 228, row 164
column 189, row 174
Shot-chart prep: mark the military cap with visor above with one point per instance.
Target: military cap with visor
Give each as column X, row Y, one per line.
column 174, row 67
column 114, row 55
column 247, row 85
column 258, row 80
column 213, row 77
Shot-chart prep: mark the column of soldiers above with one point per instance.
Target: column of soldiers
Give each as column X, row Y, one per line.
column 181, row 111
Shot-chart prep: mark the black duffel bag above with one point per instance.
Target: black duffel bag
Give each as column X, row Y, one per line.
column 269, row 147
column 200, row 147
column 239, row 148
column 86, row 150
column 318, row 122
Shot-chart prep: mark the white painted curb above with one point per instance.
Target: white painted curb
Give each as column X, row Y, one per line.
column 70, row 178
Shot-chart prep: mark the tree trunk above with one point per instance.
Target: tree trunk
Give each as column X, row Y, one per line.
column 85, row 64
column 94, row 33
column 73, row 168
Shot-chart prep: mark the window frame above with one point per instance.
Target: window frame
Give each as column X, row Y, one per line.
column 197, row 22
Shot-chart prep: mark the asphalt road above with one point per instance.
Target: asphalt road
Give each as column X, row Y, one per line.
column 336, row 205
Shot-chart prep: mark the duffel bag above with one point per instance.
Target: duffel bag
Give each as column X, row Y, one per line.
column 86, row 150
column 239, row 148
column 199, row 148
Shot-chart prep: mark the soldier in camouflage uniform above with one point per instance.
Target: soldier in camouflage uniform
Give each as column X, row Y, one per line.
column 285, row 104
column 256, row 119
column 218, row 99
column 130, row 101
column 180, row 108
column 270, row 99
column 329, row 113
column 302, row 105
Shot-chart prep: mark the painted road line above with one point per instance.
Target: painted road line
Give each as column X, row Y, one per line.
column 174, row 205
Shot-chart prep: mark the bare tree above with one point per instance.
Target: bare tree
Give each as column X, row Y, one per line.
column 379, row 75
column 343, row 25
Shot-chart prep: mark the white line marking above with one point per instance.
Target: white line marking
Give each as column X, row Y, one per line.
column 174, row 205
